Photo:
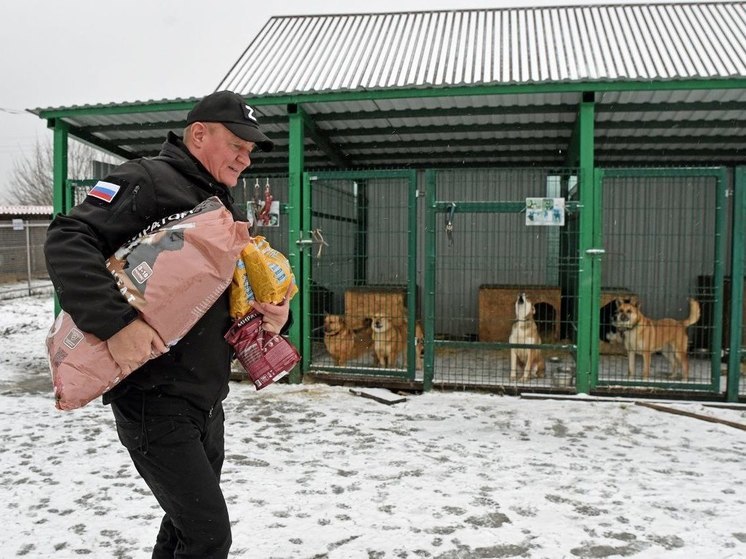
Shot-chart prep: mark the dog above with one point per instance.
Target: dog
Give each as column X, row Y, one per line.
column 389, row 340
column 419, row 334
column 524, row 331
column 344, row 343
column 608, row 332
column 646, row 336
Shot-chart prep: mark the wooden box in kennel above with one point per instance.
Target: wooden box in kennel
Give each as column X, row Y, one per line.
column 368, row 301
column 497, row 310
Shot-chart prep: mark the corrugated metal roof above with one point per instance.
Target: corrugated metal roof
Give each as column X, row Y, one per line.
column 303, row 54
column 26, row 210
column 667, row 81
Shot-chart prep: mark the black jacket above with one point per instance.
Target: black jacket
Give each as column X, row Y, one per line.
column 197, row 368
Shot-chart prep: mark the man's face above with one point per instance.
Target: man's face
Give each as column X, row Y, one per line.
column 223, row 154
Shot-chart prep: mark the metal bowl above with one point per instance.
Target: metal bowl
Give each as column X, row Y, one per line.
column 562, row 377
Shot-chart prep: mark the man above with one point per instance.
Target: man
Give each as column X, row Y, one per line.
column 169, row 412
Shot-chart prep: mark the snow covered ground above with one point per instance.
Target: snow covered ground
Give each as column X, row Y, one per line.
column 314, row 471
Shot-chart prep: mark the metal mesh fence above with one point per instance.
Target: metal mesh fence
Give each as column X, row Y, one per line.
column 22, row 265
column 660, row 236
column 22, row 250
column 492, row 254
column 360, row 277
column 505, row 278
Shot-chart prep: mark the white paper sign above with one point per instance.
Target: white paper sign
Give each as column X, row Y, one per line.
column 545, row 211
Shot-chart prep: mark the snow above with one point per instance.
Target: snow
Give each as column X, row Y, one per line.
column 314, row 471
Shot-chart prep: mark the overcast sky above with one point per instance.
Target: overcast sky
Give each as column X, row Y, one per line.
column 63, row 53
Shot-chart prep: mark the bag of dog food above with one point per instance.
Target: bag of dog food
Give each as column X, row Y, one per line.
column 262, row 274
column 172, row 274
column 81, row 365
column 266, row 357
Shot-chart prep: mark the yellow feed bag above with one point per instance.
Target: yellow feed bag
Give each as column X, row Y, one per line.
column 262, row 274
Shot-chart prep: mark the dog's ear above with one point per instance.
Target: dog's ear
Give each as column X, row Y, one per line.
column 629, row 300
column 634, row 301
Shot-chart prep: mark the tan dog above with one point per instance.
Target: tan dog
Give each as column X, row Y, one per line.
column 342, row 342
column 645, row 336
column 389, row 340
column 524, row 331
column 419, row 333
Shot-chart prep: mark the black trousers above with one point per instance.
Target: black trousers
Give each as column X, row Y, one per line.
column 179, row 450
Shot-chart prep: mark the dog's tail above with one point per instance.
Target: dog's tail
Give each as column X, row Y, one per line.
column 693, row 313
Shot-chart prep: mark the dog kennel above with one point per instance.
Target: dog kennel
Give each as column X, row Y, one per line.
column 451, row 249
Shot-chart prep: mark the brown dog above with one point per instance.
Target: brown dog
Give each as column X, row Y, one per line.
column 344, row 343
column 524, row 331
column 419, row 333
column 389, row 340
column 645, row 336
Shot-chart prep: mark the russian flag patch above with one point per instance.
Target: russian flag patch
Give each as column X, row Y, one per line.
column 104, row 191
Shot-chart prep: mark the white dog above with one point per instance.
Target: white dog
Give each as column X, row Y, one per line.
column 524, row 331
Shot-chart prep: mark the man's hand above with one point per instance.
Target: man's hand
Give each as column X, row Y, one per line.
column 134, row 344
column 274, row 316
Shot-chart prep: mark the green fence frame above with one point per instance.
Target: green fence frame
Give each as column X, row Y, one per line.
column 720, row 176
column 433, row 208
column 738, row 250
column 304, row 242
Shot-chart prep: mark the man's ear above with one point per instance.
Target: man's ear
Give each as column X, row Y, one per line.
column 196, row 132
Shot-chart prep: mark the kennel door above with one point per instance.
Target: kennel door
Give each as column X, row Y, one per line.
column 360, row 266
column 482, row 249
column 664, row 233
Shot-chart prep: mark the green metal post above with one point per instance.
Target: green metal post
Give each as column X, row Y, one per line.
column 587, row 273
column 718, row 275
column 59, row 178
column 59, row 162
column 299, row 306
column 596, row 256
column 736, row 282
column 361, row 233
column 594, row 317
column 411, row 273
column 306, row 267
column 428, row 299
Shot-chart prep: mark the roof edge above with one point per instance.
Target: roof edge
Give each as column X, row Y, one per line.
column 403, row 92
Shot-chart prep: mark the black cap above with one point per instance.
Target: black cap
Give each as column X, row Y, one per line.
column 230, row 110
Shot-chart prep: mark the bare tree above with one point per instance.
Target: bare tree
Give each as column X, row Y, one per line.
column 31, row 178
